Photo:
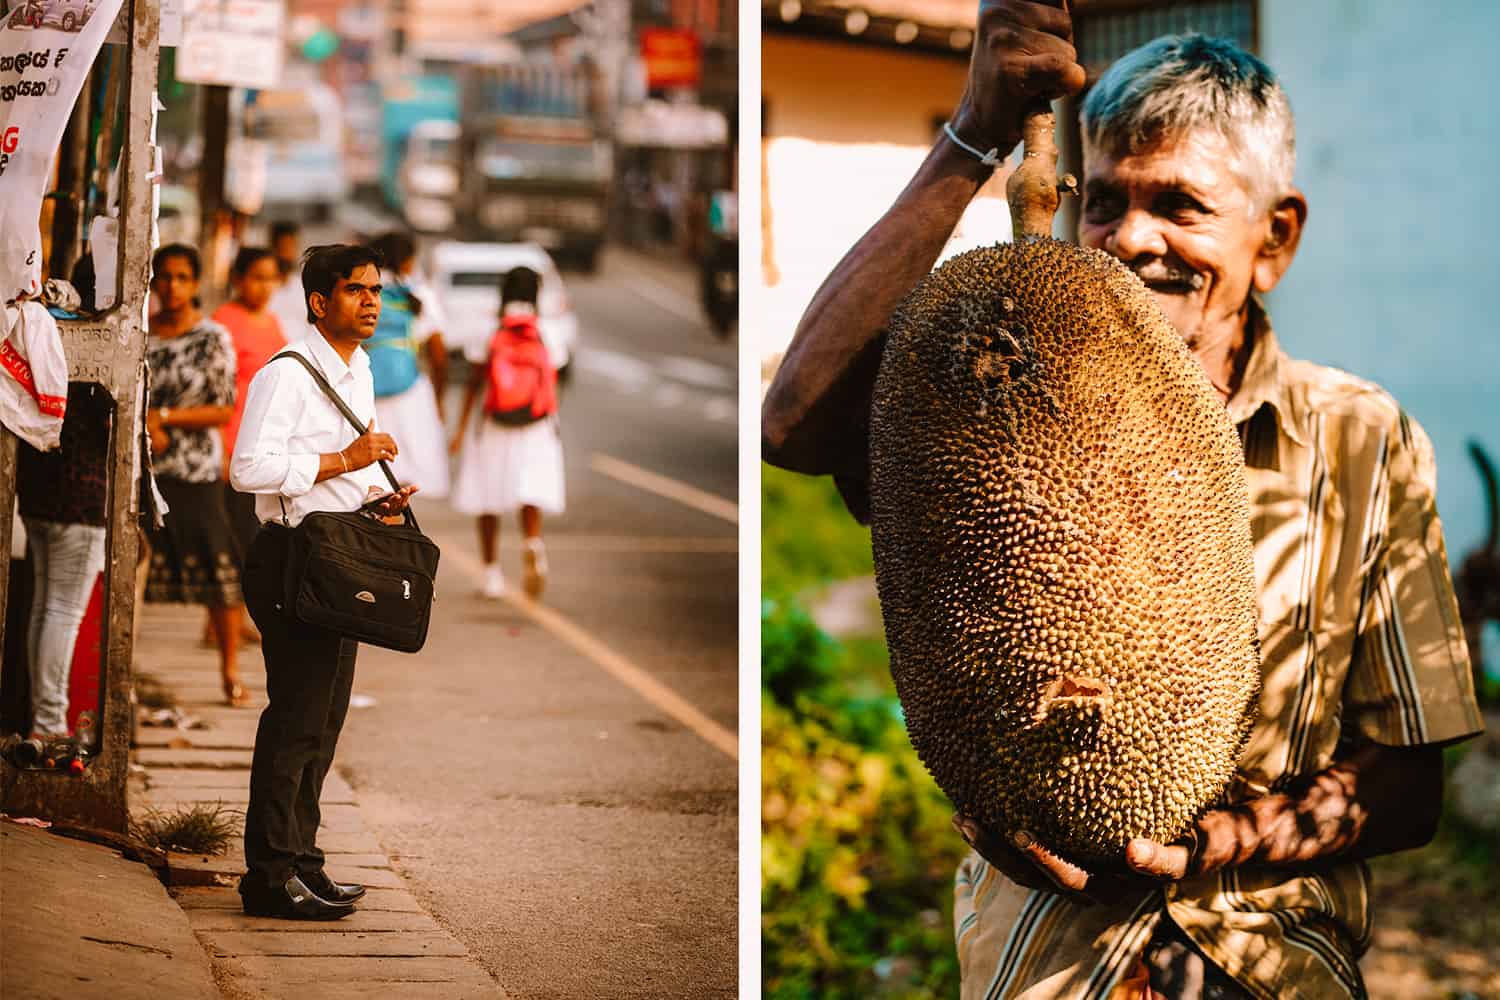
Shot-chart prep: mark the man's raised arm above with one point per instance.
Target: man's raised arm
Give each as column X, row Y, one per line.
column 815, row 416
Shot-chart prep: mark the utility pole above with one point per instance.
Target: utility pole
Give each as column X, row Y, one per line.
column 107, row 349
column 212, row 228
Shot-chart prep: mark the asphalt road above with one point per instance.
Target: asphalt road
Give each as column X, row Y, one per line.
column 558, row 786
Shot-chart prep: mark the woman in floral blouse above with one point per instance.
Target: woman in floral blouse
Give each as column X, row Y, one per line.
column 195, row 557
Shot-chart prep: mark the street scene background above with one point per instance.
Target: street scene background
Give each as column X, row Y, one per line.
column 858, row 854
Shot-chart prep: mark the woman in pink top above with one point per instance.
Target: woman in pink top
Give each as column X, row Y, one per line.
column 257, row 336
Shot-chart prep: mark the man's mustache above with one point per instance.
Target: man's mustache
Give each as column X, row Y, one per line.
column 1159, row 272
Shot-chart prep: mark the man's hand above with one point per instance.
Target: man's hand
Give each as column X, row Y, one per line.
column 1026, row 861
column 369, row 448
column 1378, row 800
column 1023, row 55
column 392, row 504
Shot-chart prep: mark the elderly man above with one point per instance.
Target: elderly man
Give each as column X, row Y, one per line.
column 1189, row 151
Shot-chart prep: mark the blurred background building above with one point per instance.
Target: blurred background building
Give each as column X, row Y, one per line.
column 565, row 123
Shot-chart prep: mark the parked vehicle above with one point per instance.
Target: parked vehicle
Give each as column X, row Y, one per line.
column 466, row 276
column 303, row 133
column 406, row 103
column 69, row 15
column 429, row 176
column 538, row 168
column 27, row 14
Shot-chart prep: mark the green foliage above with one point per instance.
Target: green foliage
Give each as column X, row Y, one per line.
column 857, row 854
column 807, row 537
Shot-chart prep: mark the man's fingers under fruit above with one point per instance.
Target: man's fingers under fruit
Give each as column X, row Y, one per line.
column 1159, row 860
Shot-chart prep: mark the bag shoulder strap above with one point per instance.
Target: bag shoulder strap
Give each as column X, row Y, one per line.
column 349, row 415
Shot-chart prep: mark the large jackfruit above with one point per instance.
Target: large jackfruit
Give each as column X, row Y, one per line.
column 1062, row 546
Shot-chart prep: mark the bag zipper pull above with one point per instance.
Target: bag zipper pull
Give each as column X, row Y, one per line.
column 406, row 590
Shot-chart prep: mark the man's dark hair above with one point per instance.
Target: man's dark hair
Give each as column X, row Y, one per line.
column 284, row 227
column 182, row 250
column 322, row 267
column 395, row 248
column 247, row 258
column 520, row 284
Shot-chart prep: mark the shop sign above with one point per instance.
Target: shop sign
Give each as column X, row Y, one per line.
column 46, row 50
column 657, row 124
column 673, row 57
column 232, row 43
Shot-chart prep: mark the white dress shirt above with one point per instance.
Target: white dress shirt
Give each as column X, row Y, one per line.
column 289, row 424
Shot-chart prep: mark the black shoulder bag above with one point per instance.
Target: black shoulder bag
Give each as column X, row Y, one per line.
column 358, row 576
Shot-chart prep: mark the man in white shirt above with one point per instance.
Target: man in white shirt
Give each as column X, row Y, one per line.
column 298, row 454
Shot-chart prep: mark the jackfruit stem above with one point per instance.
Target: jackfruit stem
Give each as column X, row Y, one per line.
column 1031, row 190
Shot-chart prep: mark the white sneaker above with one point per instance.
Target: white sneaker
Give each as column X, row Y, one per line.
column 494, row 583
column 535, row 557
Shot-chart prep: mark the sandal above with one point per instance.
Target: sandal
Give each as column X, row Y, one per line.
column 236, row 696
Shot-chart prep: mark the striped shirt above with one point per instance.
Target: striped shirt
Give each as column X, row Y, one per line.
column 1361, row 639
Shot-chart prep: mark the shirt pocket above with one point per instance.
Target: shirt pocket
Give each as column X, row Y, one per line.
column 1298, row 717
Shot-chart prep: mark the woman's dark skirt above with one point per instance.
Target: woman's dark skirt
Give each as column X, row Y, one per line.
column 242, row 519
column 196, row 554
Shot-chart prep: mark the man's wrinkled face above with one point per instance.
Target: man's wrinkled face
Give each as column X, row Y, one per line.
column 352, row 308
column 1178, row 214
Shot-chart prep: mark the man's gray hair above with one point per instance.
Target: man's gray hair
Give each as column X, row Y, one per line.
column 1180, row 83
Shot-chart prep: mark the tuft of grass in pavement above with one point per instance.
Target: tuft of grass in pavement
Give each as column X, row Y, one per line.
column 202, row 828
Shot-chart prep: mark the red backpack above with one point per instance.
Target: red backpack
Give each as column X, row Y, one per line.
column 522, row 381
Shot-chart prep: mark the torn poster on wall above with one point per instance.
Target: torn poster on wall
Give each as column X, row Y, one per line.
column 46, row 50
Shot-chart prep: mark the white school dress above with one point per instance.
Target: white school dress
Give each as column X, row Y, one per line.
column 411, row 417
column 502, row 469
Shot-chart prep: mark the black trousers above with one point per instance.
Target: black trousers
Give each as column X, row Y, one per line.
column 309, row 673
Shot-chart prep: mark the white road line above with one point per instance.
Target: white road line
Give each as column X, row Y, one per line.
column 658, row 294
column 614, row 365
column 660, row 696
column 721, row 410
column 688, row 496
column 652, row 544
column 667, row 394
column 702, row 374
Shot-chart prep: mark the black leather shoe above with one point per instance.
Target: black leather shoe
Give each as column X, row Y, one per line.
column 334, row 892
column 295, row 901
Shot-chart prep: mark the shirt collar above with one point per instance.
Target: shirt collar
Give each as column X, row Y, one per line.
column 328, row 359
column 1263, row 383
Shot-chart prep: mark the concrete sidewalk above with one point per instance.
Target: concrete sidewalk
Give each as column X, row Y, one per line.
column 388, row 946
column 80, row 922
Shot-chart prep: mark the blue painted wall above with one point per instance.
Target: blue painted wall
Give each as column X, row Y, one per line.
column 1398, row 134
